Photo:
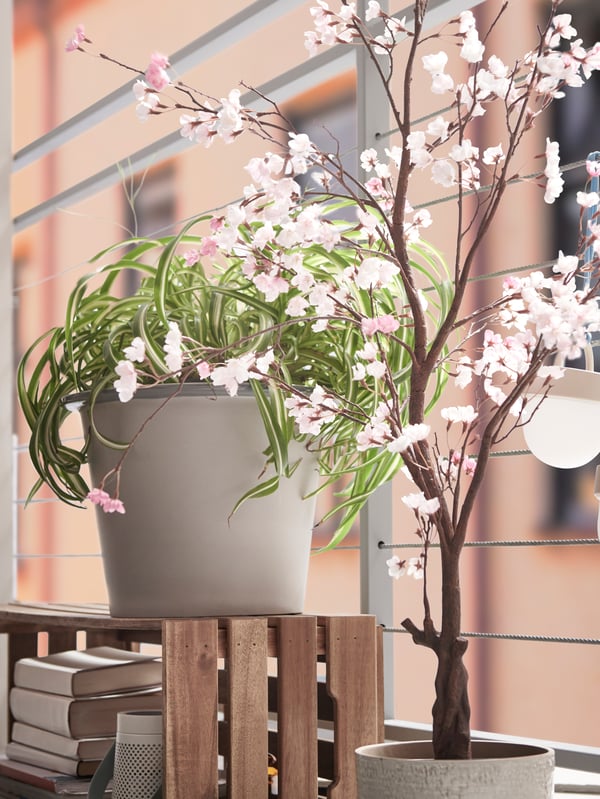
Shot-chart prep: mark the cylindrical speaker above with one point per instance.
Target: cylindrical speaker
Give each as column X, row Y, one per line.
column 138, row 755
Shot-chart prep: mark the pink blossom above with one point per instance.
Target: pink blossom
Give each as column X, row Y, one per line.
column 233, row 373
column 108, row 504
column 441, row 83
column 415, row 568
column 466, row 21
column 191, row 257
column 97, row 496
column 438, row 128
column 369, row 326
column 421, row 505
column 562, row 25
column 208, row 247
column 264, row 362
column 375, row 272
column 493, row 155
column 297, row 306
column 464, row 151
column 113, row 505
column 554, row 185
column 204, row 369
column 229, row 118
column 359, row 372
column 373, row 436
column 436, row 62
column 300, row 145
column 375, row 187
column 588, row 199
column 271, row 285
column 148, row 106
column 469, row 465
column 408, row 436
column 511, row 283
column 311, row 413
column 198, row 127
column 156, row 74
column 396, row 567
column 465, row 414
column 375, row 369
column 472, row 49
column 443, row 172
column 379, row 324
column 373, row 10
column 172, row 348
column 126, row 384
column 136, row 351
column 76, row 39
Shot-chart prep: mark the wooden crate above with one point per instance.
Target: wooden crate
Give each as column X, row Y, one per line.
column 243, row 687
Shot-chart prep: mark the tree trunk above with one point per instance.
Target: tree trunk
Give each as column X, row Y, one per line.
column 451, row 710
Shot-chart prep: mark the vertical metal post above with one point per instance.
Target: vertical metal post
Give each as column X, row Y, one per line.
column 6, row 338
column 373, row 119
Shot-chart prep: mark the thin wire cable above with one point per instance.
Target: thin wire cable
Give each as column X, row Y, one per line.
column 545, row 639
column 510, row 542
column 53, row 555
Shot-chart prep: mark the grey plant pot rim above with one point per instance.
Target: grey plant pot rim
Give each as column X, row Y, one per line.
column 76, row 401
column 417, row 750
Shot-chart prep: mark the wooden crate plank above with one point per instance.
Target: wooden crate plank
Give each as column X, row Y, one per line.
column 352, row 680
column 106, row 638
column 190, row 664
column 246, row 708
column 20, row 645
column 61, row 641
column 297, row 707
column 380, row 713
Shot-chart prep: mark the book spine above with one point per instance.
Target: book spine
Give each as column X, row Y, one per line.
column 49, row 711
column 36, row 757
column 37, row 677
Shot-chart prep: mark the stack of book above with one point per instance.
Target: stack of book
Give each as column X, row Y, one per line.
column 64, row 706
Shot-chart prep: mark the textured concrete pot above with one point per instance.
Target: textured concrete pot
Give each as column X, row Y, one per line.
column 175, row 552
column 497, row 771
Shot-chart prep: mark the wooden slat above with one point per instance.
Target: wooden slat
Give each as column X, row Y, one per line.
column 352, row 682
column 379, row 677
column 61, row 641
column 190, row 664
column 297, row 707
column 109, row 638
column 246, row 708
column 20, row 645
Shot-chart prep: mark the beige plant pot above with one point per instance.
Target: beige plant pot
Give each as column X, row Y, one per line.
column 175, row 552
column 497, row 771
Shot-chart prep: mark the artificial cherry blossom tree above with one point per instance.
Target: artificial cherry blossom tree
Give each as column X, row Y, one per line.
column 332, row 278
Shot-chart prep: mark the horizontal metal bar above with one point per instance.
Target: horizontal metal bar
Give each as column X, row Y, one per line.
column 291, row 83
column 242, row 25
column 294, row 81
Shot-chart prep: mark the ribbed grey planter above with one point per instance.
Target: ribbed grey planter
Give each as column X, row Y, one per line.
column 175, row 552
column 497, row 771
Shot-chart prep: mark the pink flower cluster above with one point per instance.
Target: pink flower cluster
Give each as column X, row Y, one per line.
column 76, row 40
column 312, row 412
column 108, row 504
column 411, row 567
